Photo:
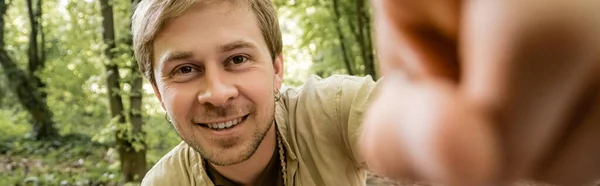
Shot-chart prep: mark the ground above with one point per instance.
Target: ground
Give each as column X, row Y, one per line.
column 76, row 161
column 73, row 160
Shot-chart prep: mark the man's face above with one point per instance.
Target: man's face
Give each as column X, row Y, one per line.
column 216, row 79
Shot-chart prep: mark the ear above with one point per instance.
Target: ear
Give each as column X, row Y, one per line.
column 157, row 93
column 278, row 69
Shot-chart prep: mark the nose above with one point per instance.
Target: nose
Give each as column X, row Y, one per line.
column 218, row 91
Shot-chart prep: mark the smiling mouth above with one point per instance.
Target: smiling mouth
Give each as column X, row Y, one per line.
column 224, row 125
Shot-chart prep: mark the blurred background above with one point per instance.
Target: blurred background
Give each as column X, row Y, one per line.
column 72, row 99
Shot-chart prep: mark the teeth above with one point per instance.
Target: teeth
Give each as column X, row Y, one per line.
column 224, row 125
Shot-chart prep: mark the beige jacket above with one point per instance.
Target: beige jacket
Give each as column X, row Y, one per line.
column 320, row 125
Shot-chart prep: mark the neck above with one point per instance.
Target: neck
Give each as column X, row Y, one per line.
column 248, row 171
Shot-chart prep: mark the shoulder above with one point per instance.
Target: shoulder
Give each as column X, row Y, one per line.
column 324, row 103
column 330, row 87
column 339, row 90
column 329, row 94
column 336, row 85
column 174, row 168
column 335, row 81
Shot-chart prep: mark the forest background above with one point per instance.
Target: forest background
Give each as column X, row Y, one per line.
column 74, row 110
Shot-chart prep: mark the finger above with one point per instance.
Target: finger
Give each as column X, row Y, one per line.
column 418, row 37
column 430, row 134
column 529, row 74
column 575, row 161
column 437, row 146
column 381, row 146
column 447, row 142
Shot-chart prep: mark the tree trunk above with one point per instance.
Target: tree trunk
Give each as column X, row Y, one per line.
column 371, row 51
column 137, row 158
column 338, row 28
column 42, row 48
column 369, row 37
column 133, row 163
column 36, row 50
column 2, row 93
column 27, row 93
column 366, row 53
column 33, row 43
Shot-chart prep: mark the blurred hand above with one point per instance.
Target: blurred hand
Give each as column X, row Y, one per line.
column 487, row 92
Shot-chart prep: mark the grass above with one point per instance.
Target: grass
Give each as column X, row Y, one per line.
column 72, row 160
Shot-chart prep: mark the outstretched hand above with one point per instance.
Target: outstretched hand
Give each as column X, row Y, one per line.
column 486, row 92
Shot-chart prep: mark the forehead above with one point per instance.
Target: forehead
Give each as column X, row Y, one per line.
column 205, row 26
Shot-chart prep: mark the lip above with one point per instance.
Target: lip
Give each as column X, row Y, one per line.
column 222, row 120
column 235, row 130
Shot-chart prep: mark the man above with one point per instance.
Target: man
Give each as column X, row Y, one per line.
column 216, row 67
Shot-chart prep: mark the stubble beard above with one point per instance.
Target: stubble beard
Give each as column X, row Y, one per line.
column 221, row 156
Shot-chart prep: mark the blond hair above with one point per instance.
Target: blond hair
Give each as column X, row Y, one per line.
column 150, row 16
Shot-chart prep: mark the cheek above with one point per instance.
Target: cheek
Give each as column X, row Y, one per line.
column 257, row 86
column 178, row 103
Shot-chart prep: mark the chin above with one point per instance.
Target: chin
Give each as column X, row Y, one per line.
column 228, row 156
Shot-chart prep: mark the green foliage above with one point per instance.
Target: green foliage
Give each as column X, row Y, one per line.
column 74, row 160
column 318, row 22
column 160, row 135
column 17, row 39
column 77, row 95
column 74, row 76
column 107, row 134
column 13, row 124
column 123, row 131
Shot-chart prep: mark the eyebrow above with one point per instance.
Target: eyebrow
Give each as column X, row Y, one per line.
column 236, row 45
column 183, row 55
column 174, row 56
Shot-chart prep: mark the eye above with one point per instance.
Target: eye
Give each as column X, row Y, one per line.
column 185, row 70
column 236, row 60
